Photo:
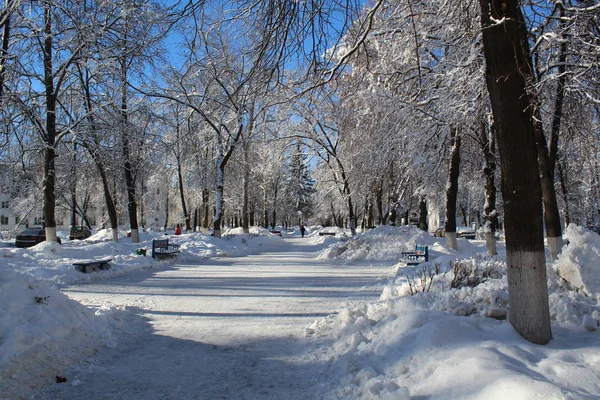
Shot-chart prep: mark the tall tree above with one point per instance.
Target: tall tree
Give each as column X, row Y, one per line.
column 452, row 189
column 508, row 73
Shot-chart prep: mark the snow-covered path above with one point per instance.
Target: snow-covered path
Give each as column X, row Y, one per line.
column 228, row 328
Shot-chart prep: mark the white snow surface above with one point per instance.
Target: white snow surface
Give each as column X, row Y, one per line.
column 260, row 316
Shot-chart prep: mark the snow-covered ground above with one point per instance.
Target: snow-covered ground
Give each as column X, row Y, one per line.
column 270, row 316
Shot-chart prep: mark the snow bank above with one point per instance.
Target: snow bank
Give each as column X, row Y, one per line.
column 425, row 339
column 388, row 242
column 42, row 330
column 579, row 262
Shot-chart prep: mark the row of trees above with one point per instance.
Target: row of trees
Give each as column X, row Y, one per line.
column 220, row 109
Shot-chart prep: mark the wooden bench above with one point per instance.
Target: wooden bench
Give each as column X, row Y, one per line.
column 92, row 265
column 274, row 232
column 326, row 233
column 162, row 248
column 421, row 254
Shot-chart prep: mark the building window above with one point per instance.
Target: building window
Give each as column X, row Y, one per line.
column 5, row 204
column 37, row 221
column 3, row 220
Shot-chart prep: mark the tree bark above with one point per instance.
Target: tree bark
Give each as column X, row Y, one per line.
column 246, row 179
column 488, row 141
column 265, row 208
column 50, row 136
column 562, row 176
column 74, row 187
column 205, row 211
column 551, row 213
column 452, row 190
column 508, row 71
column 423, row 214
column 186, row 216
column 126, row 152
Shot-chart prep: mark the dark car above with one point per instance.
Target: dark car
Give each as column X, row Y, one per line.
column 79, row 233
column 30, row 237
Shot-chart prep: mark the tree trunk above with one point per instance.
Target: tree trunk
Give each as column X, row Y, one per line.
column 246, row 179
column 126, row 147
column 275, row 190
column 167, row 206
column 381, row 217
column 217, row 221
column 508, row 70
column 265, row 209
column 49, row 152
column 551, row 213
column 565, row 193
column 96, row 157
column 351, row 217
column 74, row 187
column 188, row 225
column 489, row 172
column 206, row 211
column 452, row 190
column 423, row 214
column 5, row 16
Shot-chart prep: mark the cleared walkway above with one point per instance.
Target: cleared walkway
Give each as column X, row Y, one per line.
column 228, row 328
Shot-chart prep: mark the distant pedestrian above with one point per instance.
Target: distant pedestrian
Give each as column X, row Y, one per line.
column 178, row 230
column 302, row 230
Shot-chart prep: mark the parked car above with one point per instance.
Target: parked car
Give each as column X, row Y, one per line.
column 30, row 237
column 465, row 232
column 79, row 233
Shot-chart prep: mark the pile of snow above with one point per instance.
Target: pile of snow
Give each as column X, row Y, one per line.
column 579, row 262
column 425, row 339
column 388, row 243
column 42, row 331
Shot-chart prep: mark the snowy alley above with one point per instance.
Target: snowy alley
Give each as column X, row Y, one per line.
column 227, row 328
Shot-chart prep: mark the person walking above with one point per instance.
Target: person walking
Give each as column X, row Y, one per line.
column 178, row 230
column 302, row 229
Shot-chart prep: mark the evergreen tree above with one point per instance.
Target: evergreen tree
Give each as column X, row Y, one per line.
column 300, row 184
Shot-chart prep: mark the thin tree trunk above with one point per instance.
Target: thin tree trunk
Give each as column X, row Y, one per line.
column 275, row 190
column 96, row 157
column 265, row 209
column 246, row 179
column 50, row 137
column 489, row 172
column 508, row 70
column 126, row 149
column 167, row 205
column 452, row 190
column 218, row 219
column 551, row 213
column 188, row 225
column 423, row 214
column 206, row 211
column 186, row 216
column 74, row 187
column 562, row 176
